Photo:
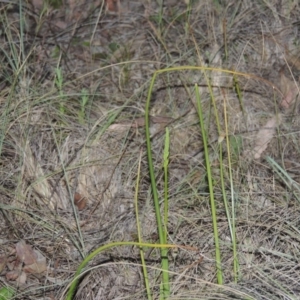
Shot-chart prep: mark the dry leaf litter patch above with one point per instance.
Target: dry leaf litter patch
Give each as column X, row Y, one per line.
column 59, row 162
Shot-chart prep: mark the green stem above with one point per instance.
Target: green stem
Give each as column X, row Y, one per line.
column 211, row 191
column 161, row 234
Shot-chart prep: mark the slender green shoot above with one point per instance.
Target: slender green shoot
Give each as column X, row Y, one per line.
column 83, row 103
column 166, row 195
column 231, row 220
column 22, row 23
column 189, row 13
column 164, row 287
column 59, row 86
column 239, row 93
column 160, row 17
column 161, row 234
column 211, row 189
column 139, row 233
column 220, row 133
column 224, row 25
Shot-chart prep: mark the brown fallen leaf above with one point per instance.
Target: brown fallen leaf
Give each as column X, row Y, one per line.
column 265, row 135
column 14, row 263
column 38, row 266
column 25, row 253
column 80, row 201
column 12, row 275
column 16, row 275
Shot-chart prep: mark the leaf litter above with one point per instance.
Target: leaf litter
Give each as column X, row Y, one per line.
column 24, row 261
column 265, row 135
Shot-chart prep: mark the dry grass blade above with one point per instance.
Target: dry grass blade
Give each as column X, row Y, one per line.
column 25, row 253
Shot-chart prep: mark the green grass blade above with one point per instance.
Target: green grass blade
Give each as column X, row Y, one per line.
column 161, row 234
column 211, row 191
column 139, row 232
column 238, row 93
column 166, row 195
column 231, row 220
